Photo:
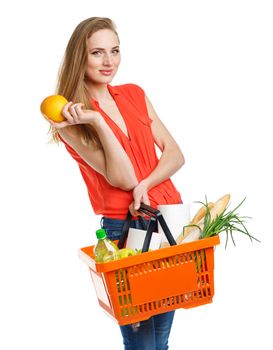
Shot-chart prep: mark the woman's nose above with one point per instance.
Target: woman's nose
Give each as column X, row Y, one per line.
column 107, row 59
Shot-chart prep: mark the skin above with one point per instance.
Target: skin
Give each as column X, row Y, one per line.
column 104, row 55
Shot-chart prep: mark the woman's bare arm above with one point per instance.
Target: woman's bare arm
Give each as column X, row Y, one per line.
column 111, row 161
column 170, row 162
column 171, row 159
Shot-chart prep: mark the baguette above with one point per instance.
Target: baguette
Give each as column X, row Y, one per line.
column 219, row 206
column 201, row 213
column 194, row 235
column 187, row 230
column 198, row 219
column 216, row 209
column 165, row 244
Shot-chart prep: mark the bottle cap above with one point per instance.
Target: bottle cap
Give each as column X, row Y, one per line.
column 101, row 233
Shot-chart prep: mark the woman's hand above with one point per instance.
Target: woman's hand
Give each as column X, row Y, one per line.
column 140, row 195
column 75, row 114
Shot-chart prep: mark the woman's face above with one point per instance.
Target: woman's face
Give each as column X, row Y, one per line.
column 103, row 56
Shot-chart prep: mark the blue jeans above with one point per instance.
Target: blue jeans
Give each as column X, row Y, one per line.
column 151, row 334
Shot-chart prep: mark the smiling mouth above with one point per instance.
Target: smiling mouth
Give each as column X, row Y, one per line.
column 106, row 72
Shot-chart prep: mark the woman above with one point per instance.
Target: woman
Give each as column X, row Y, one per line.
column 111, row 132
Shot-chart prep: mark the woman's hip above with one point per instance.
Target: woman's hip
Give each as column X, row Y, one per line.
column 113, row 227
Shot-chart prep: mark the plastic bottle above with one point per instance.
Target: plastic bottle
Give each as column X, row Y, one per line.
column 105, row 249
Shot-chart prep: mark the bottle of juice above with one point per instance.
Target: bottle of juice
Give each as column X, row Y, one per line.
column 105, row 249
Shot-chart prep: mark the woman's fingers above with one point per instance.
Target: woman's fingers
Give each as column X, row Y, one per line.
column 132, row 210
column 137, row 203
column 60, row 125
column 140, row 194
column 57, row 125
column 67, row 114
column 145, row 199
column 73, row 114
column 141, row 199
column 79, row 107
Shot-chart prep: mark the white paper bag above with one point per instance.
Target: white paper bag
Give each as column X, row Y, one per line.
column 136, row 238
column 176, row 216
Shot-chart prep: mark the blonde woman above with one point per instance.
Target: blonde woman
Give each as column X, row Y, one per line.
column 111, row 132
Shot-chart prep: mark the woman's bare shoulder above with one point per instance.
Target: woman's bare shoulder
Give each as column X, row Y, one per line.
column 69, row 135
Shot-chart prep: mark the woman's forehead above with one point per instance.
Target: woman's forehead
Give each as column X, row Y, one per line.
column 104, row 38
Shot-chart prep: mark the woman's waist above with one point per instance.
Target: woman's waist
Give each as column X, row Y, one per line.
column 115, row 205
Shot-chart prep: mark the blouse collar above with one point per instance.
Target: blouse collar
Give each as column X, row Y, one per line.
column 113, row 91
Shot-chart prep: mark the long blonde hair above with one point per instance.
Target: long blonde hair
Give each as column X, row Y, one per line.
column 71, row 78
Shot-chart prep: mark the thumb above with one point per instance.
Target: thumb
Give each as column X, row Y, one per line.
column 137, row 203
column 145, row 199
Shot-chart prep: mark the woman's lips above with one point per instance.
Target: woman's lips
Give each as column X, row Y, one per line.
column 106, row 72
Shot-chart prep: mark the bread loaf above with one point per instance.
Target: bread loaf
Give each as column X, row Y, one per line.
column 219, row 206
column 198, row 219
column 201, row 213
column 215, row 209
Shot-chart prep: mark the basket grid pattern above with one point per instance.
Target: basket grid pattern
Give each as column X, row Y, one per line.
column 202, row 294
column 135, row 288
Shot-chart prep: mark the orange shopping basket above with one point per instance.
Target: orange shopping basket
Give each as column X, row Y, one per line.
column 135, row 288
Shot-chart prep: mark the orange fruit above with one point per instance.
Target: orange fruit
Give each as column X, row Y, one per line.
column 52, row 107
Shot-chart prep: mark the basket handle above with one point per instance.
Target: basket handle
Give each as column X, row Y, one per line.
column 125, row 230
column 154, row 216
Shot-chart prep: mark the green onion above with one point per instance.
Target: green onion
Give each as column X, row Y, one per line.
column 228, row 221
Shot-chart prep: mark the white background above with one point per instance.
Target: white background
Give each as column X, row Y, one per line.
column 207, row 68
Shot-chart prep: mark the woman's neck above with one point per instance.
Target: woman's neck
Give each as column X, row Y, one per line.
column 100, row 93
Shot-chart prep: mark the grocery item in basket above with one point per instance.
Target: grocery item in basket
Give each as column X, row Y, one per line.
column 137, row 288
column 192, row 233
column 176, row 216
column 228, row 221
column 198, row 217
column 218, row 219
column 124, row 253
column 201, row 213
column 105, row 249
column 136, row 239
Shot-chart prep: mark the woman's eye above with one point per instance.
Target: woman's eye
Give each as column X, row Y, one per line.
column 99, row 53
column 115, row 52
column 96, row 53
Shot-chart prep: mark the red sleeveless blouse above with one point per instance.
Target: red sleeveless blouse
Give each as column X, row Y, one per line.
column 110, row 201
